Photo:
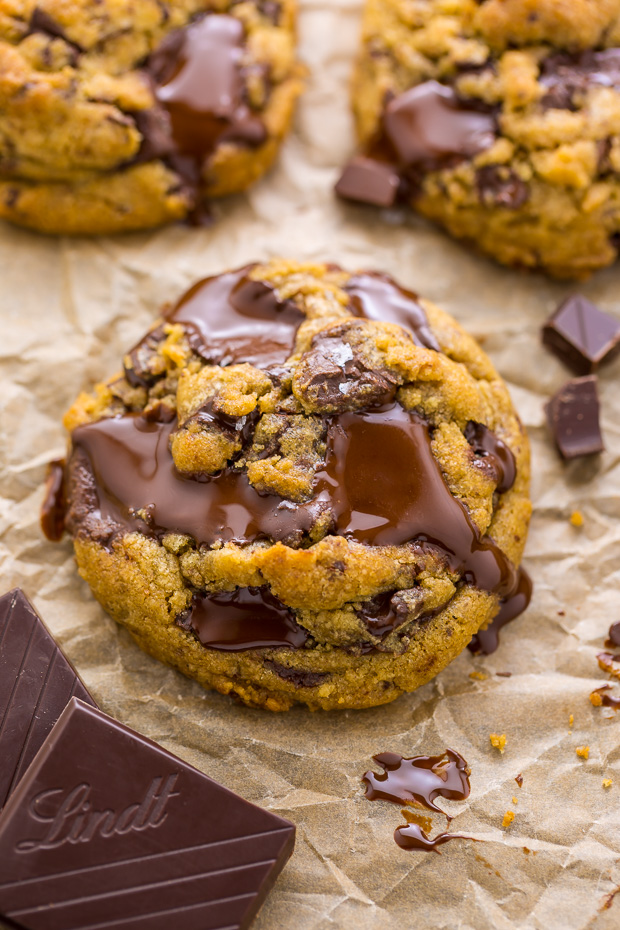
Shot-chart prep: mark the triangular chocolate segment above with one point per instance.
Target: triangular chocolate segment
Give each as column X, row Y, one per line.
column 36, row 683
column 108, row 830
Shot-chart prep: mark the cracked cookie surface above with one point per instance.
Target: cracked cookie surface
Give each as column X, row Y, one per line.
column 120, row 115
column 499, row 119
column 304, row 486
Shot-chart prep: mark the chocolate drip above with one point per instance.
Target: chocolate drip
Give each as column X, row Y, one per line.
column 250, row 618
column 376, row 296
column 232, row 318
column 492, row 452
column 54, row 503
column 413, row 836
column 511, row 607
column 198, row 76
column 139, row 488
column 419, row 779
column 381, row 483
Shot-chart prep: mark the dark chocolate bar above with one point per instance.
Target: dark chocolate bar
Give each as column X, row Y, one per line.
column 582, row 335
column 573, row 415
column 108, row 830
column 36, row 682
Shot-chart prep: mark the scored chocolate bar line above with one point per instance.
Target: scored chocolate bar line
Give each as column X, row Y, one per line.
column 109, row 830
column 36, row 683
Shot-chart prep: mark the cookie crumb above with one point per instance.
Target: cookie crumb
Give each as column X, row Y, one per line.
column 583, row 751
column 508, row 818
column 515, row 800
column 607, row 782
column 519, row 780
column 595, row 699
column 571, row 720
column 497, row 741
column 576, row 519
column 479, row 676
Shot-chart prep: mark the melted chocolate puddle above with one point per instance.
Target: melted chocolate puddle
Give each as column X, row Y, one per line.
column 414, row 836
column 198, row 77
column 231, row 319
column 512, row 606
column 250, row 618
column 376, row 296
column 419, row 780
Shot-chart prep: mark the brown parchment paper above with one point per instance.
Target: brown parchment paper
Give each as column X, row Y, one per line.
column 68, row 311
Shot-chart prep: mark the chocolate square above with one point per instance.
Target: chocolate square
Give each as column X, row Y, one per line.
column 369, row 181
column 573, row 416
column 582, row 335
column 108, row 830
column 36, row 683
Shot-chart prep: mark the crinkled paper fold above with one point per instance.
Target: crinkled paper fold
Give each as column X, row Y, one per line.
column 68, row 311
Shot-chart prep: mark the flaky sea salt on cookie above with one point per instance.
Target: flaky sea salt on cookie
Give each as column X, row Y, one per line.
column 119, row 116
column 305, row 485
column 499, row 119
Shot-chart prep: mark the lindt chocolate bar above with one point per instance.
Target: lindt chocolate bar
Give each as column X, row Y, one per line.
column 108, row 830
column 36, row 682
column 573, row 415
column 582, row 335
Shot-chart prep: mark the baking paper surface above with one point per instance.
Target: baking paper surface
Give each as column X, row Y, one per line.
column 69, row 309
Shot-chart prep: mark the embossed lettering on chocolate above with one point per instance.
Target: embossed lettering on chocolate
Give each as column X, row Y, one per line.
column 314, row 479
column 36, row 683
column 107, row 829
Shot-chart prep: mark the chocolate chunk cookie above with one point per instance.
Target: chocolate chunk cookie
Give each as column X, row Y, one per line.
column 305, row 485
column 499, row 119
column 126, row 114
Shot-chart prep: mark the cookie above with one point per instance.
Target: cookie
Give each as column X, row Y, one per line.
column 121, row 115
column 305, row 485
column 498, row 119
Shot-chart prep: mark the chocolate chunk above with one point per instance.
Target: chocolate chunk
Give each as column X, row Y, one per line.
column 107, row 829
column 429, row 125
column 573, row 416
column 583, row 336
column 338, row 374
column 249, row 618
column 369, row 181
column 36, row 683
column 492, row 455
column 54, row 504
column 568, row 77
column 41, row 21
column 499, row 186
column 298, row 677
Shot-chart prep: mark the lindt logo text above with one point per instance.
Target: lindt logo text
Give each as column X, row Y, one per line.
column 75, row 820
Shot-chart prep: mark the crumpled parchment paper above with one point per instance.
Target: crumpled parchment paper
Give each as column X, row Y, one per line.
column 68, row 311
